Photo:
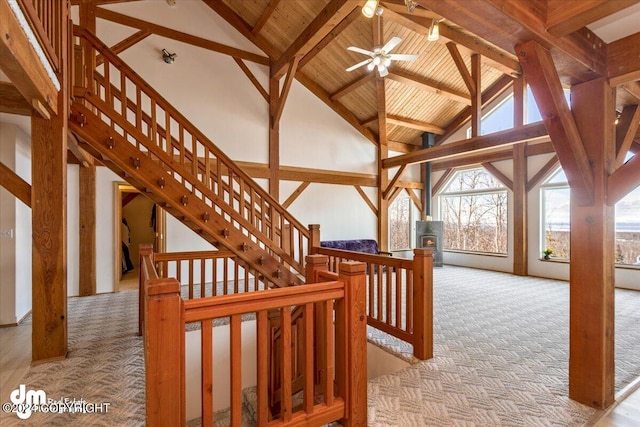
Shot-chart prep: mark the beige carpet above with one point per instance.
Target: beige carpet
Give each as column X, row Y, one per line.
column 500, row 359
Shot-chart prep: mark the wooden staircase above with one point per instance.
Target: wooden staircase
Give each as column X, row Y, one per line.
column 134, row 131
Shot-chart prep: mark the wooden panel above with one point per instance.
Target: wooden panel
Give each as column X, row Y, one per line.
column 623, row 60
column 564, row 17
column 12, row 101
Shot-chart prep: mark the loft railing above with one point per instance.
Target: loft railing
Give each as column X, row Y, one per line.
column 335, row 308
column 399, row 294
column 45, row 19
column 146, row 120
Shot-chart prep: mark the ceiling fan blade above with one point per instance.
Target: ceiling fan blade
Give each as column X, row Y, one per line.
column 383, row 71
column 395, row 41
column 359, row 64
column 401, row 57
column 359, row 50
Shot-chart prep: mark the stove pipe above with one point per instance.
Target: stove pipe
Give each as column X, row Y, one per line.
column 428, row 140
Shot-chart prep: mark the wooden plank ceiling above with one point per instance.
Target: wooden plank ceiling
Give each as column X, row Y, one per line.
column 429, row 94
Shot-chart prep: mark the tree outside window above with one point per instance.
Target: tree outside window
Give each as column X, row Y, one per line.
column 473, row 207
column 400, row 224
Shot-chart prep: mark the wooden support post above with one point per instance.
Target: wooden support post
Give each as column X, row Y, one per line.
column 49, row 221
column 87, row 276
column 314, row 239
column 592, row 271
column 274, row 139
column 145, row 249
column 351, row 376
column 423, row 303
column 476, row 97
column 164, row 338
column 520, row 179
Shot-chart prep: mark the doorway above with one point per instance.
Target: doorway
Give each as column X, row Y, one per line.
column 138, row 220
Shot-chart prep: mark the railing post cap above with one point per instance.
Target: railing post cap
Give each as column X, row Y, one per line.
column 157, row 287
column 317, row 259
column 423, row 252
column 352, row 267
column 314, row 226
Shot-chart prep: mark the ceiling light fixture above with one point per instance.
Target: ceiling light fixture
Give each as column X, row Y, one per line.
column 369, row 8
column 168, row 57
column 434, row 31
column 411, row 5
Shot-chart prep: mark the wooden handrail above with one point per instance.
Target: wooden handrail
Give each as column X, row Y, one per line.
column 400, row 294
column 342, row 395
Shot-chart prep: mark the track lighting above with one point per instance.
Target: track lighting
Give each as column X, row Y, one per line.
column 434, row 31
column 168, row 57
column 370, row 7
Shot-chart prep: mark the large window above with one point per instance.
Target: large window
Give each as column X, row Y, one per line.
column 556, row 221
column 400, row 224
column 473, row 207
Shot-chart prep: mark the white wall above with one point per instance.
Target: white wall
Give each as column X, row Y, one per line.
column 15, row 223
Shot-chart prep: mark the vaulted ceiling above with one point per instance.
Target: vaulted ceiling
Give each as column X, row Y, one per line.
column 435, row 92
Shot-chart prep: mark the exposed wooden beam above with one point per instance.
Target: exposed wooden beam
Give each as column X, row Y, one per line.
column 633, row 88
column 264, row 17
column 543, row 173
column 252, row 78
column 626, row 131
column 99, row 2
column 20, row 63
column 274, row 139
column 297, row 192
column 366, row 199
column 476, row 96
column 12, row 101
column 236, row 21
column 371, row 120
column 344, row 112
column 490, row 94
column 462, row 68
column 334, row 12
column 414, row 124
column 170, row 33
column 73, row 145
column 467, row 43
column 415, row 199
column 87, row 239
column 353, row 85
column 564, row 17
column 401, row 147
column 528, row 133
column 15, row 185
column 282, row 99
column 545, row 84
column 125, row 44
column 428, row 85
column 383, row 147
column 335, row 32
column 499, row 175
column 393, row 181
column 624, row 180
column 623, row 60
column 442, row 181
column 321, row 176
column 581, row 56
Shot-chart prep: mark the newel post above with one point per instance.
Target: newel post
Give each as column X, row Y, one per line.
column 314, row 239
column 351, row 374
column 423, row 303
column 164, row 353
column 145, row 249
column 313, row 264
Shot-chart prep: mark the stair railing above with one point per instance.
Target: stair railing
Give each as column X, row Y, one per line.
column 150, row 123
column 343, row 393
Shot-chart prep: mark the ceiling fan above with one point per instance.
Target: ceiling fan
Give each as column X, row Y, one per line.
column 381, row 57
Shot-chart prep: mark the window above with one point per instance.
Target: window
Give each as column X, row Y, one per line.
column 556, row 221
column 473, row 207
column 555, row 215
column 400, row 224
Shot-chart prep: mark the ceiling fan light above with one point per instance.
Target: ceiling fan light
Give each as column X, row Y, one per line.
column 377, row 60
column 370, row 66
column 369, row 8
column 434, row 31
column 386, row 62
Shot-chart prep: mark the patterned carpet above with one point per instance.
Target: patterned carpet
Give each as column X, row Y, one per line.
column 501, row 349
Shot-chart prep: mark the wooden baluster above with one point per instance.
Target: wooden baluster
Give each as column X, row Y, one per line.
column 181, row 138
column 107, row 83
column 145, row 249
column 242, row 201
column 380, row 300
column 206, row 379
column 398, row 293
column 409, row 300
column 308, row 358
column 262, row 332
column 218, row 190
column 138, row 109
column 154, row 123
column 352, row 385
column 236, row 371
column 194, row 155
column 203, row 283
column 190, row 263
column 372, row 294
column 386, row 276
column 167, row 133
column 214, row 277
column 123, row 95
column 246, row 279
column 423, row 303
column 164, row 337
column 328, row 376
column 285, row 341
column 207, row 169
column 236, row 284
column 225, row 279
